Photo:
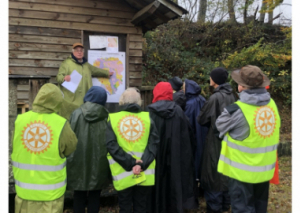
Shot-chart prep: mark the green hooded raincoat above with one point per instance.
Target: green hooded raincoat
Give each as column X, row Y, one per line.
column 49, row 100
column 87, row 167
column 73, row 100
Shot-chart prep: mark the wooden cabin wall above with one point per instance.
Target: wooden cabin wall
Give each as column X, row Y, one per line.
column 41, row 33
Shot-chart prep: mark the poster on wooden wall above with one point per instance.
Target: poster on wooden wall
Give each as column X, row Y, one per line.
column 114, row 62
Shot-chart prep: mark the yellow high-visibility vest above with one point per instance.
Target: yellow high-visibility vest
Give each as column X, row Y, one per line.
column 253, row 159
column 132, row 132
column 39, row 171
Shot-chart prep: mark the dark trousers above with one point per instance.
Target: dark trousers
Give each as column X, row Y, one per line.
column 134, row 199
column 247, row 197
column 216, row 202
column 92, row 198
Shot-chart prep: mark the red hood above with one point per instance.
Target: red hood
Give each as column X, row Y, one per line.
column 162, row 91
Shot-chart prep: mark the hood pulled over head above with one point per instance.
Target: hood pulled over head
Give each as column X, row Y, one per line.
column 96, row 95
column 49, row 98
column 191, row 88
column 162, row 91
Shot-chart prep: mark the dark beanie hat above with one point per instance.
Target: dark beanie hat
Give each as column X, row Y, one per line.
column 176, row 83
column 96, row 95
column 219, row 75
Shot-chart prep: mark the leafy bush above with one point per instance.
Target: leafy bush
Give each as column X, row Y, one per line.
column 192, row 50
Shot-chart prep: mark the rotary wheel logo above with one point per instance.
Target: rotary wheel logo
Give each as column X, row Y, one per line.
column 131, row 128
column 37, row 137
column 265, row 121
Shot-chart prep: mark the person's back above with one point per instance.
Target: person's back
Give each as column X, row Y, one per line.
column 194, row 104
column 215, row 184
column 87, row 168
column 250, row 129
column 42, row 139
column 174, row 181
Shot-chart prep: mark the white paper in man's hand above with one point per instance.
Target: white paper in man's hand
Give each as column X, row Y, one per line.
column 74, row 82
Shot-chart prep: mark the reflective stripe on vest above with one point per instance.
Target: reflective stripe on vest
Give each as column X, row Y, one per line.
column 132, row 133
column 247, row 167
column 40, row 186
column 39, row 167
column 250, row 150
column 253, row 159
column 39, row 171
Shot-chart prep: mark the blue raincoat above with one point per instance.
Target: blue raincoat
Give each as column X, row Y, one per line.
column 194, row 103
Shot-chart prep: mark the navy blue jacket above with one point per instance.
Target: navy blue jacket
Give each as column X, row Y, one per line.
column 194, row 103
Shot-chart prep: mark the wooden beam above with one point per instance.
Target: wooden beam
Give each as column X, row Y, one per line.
column 138, row 37
column 33, row 71
column 70, row 9
column 34, row 63
column 74, row 25
column 42, row 39
column 172, row 7
column 38, row 55
column 40, row 47
column 69, row 17
column 85, row 4
column 135, row 53
column 135, row 60
column 135, row 45
column 26, row 30
column 145, row 12
column 127, row 61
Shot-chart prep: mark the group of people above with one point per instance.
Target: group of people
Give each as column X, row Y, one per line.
column 156, row 159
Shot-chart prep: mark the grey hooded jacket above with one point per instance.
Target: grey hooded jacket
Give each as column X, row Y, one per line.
column 232, row 119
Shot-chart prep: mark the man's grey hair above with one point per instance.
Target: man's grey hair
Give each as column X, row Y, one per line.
column 130, row 96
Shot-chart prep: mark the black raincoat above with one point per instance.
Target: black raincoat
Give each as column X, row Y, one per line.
column 194, row 104
column 210, row 178
column 174, row 188
column 88, row 167
column 180, row 99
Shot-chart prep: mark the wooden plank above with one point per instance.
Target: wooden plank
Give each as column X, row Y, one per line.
column 136, row 37
column 135, row 82
column 22, row 87
column 38, row 55
column 135, row 75
column 23, row 95
column 70, row 9
column 135, row 60
column 135, row 67
column 42, row 39
column 172, row 7
column 145, row 12
column 89, row 4
column 135, row 45
column 53, row 80
column 74, row 25
column 44, row 31
column 40, row 47
column 33, row 71
column 34, row 63
column 144, row 88
column 127, row 59
column 135, row 52
column 69, row 17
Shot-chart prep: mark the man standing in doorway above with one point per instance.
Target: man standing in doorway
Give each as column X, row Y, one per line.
column 215, row 184
column 77, row 61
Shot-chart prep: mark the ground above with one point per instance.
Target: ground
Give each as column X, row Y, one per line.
column 280, row 197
